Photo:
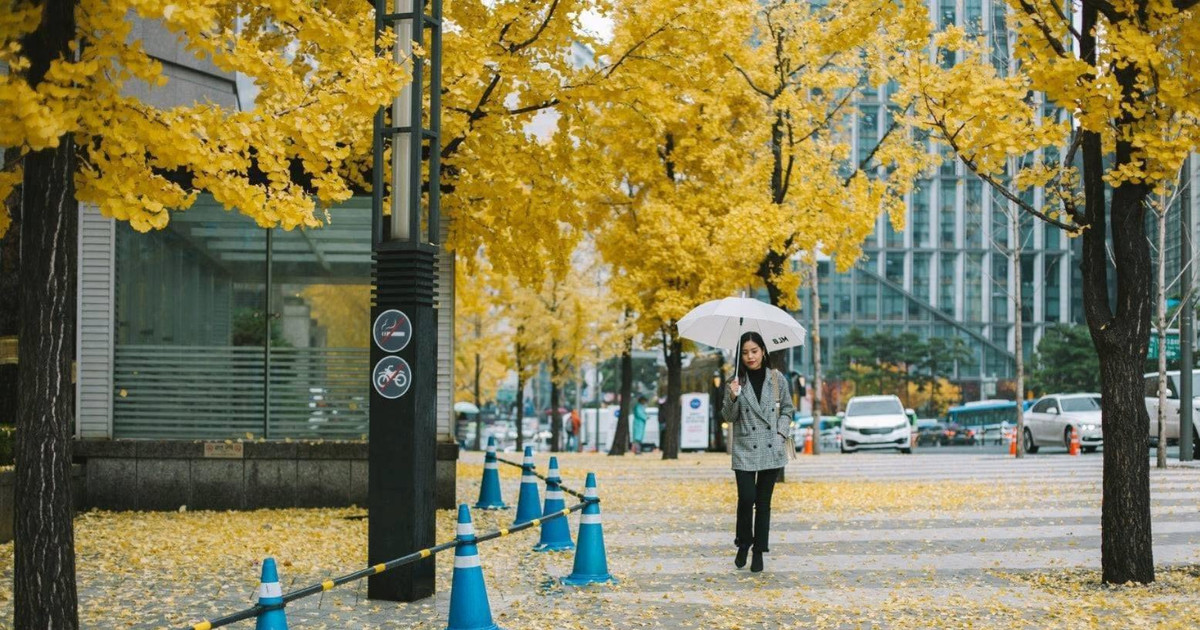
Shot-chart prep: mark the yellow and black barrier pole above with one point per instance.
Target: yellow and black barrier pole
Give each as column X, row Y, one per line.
column 325, row 585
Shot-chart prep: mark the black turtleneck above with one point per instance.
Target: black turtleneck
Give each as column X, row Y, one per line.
column 757, row 377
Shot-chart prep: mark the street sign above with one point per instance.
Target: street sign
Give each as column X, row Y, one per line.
column 1172, row 345
column 392, row 330
column 391, row 377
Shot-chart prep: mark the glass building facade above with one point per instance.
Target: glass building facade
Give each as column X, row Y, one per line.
column 224, row 329
column 946, row 273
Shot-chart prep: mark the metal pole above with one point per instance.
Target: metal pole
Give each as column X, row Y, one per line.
column 1186, row 336
column 596, row 420
column 268, row 316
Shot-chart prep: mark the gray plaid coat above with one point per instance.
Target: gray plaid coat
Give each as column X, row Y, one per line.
column 760, row 427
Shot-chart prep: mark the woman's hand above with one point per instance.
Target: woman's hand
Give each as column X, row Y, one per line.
column 735, row 388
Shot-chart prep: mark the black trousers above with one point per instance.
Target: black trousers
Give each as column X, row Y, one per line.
column 754, row 490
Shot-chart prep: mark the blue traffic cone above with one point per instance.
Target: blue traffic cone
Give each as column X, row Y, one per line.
column 270, row 593
column 469, row 607
column 556, row 533
column 591, row 563
column 489, row 492
column 529, row 506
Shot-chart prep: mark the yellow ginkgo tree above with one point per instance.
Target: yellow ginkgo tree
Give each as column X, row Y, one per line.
column 77, row 136
column 672, row 208
column 1104, row 94
column 809, row 68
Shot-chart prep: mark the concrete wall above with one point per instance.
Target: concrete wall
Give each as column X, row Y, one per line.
column 164, row 475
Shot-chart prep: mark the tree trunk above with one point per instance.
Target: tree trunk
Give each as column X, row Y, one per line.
column 621, row 433
column 556, row 419
column 478, row 416
column 44, row 549
column 1127, row 554
column 520, row 409
column 816, row 355
column 669, row 413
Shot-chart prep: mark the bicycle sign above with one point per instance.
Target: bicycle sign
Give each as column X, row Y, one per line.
column 391, row 377
column 392, row 330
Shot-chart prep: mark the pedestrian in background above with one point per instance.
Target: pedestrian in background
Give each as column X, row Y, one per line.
column 576, row 425
column 759, row 406
column 639, row 424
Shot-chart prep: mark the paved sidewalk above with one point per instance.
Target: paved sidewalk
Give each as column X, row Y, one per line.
column 859, row 541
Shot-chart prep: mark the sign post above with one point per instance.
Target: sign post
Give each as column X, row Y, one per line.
column 403, row 364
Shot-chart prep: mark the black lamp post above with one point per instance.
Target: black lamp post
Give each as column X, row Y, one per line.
column 403, row 367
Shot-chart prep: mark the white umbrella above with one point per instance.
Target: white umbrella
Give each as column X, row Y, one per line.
column 465, row 407
column 721, row 324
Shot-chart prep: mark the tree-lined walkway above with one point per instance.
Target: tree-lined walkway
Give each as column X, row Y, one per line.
column 866, row 540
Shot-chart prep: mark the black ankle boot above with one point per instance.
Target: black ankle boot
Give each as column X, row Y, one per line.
column 756, row 564
column 740, row 560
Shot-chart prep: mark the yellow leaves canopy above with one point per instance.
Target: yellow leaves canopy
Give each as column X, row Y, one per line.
column 319, row 80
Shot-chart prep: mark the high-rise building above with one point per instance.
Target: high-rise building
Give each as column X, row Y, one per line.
column 947, row 272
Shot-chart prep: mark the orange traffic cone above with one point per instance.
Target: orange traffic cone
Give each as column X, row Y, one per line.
column 808, row 443
column 1074, row 448
column 1012, row 443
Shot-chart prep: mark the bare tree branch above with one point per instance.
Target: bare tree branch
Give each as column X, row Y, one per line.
column 538, row 33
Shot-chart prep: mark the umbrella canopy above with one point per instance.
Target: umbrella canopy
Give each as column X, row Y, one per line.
column 465, row 407
column 721, row 323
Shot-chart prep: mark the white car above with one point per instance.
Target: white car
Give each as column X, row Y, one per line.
column 1171, row 418
column 1052, row 418
column 875, row 422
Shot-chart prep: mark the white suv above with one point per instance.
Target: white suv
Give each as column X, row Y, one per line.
column 875, row 422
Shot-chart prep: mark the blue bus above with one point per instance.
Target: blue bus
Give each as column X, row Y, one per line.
column 988, row 418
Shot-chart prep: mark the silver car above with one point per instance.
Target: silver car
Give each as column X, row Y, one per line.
column 1051, row 419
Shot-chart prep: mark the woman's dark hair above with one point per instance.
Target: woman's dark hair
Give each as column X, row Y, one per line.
column 757, row 339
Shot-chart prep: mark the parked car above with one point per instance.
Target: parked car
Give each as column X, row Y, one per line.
column 876, row 422
column 1051, row 419
column 1171, row 419
column 929, row 432
column 954, row 434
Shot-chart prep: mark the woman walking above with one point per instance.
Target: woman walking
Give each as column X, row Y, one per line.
column 759, row 406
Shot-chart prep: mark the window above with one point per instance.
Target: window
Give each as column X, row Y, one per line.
column 973, row 16
column 998, row 287
column 920, row 214
column 1043, row 405
column 946, row 275
column 873, row 408
column 920, row 286
column 1051, row 287
column 1000, row 37
column 891, row 237
column 1027, row 263
column 972, row 293
column 973, row 214
column 893, row 300
column 868, row 131
column 946, row 214
column 1081, row 403
column 866, row 292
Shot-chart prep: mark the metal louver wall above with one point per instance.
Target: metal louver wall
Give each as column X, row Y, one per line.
column 94, row 331
column 206, row 392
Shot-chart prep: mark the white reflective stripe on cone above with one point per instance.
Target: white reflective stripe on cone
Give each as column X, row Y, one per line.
column 529, row 479
column 589, row 519
column 491, row 466
column 270, row 589
column 590, row 493
column 554, row 494
column 466, row 529
column 466, row 562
